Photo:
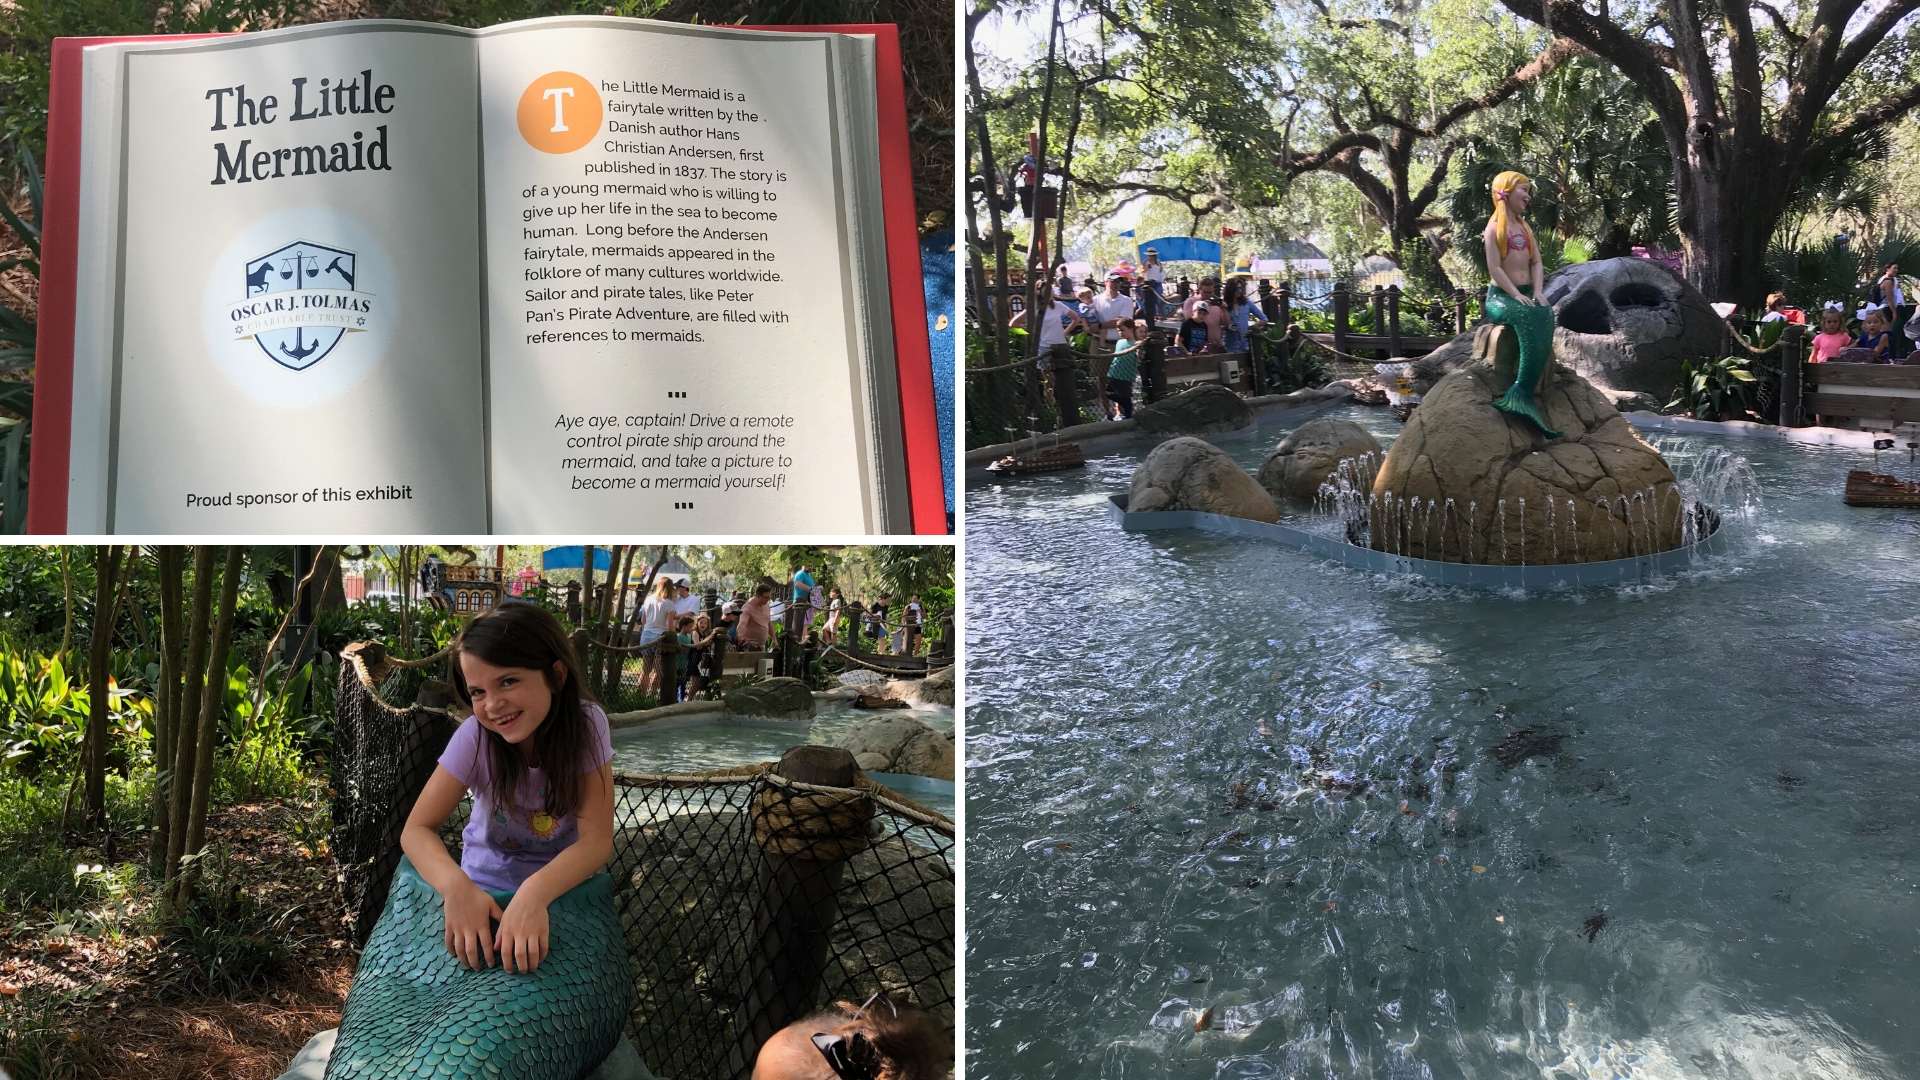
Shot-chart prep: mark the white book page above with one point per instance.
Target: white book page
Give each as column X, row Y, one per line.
column 669, row 332
column 299, row 345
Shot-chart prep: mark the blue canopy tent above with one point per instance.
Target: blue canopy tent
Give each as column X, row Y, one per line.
column 1182, row 249
column 574, row 557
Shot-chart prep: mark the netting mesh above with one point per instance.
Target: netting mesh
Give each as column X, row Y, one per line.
column 748, row 897
column 382, row 757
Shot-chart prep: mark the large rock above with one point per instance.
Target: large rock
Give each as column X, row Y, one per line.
column 782, row 699
column 1311, row 453
column 1465, row 482
column 1193, row 474
column 1624, row 324
column 1204, row 408
column 935, row 689
column 899, row 744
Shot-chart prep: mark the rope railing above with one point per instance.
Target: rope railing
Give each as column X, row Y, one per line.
column 857, row 662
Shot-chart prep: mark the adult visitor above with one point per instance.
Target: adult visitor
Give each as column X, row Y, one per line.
column 1240, row 317
column 656, row 618
column 756, row 619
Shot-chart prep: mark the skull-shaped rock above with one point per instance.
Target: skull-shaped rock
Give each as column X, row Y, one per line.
column 1626, row 325
column 1630, row 324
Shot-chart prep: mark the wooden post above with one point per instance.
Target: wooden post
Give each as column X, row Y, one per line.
column 1379, row 310
column 1153, row 366
column 1435, row 313
column 1342, row 308
column 667, row 663
column 712, row 688
column 1286, row 305
column 1459, row 310
column 1393, row 321
column 1792, row 357
column 1256, row 359
column 798, row 885
column 1066, row 389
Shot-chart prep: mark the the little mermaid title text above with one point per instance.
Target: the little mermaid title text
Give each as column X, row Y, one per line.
column 242, row 162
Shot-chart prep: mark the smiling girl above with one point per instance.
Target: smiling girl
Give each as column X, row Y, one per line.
column 527, row 977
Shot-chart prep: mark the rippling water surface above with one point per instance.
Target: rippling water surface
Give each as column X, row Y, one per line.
column 1384, row 829
column 698, row 743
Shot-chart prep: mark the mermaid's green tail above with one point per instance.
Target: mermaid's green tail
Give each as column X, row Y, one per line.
column 1533, row 323
column 415, row 1012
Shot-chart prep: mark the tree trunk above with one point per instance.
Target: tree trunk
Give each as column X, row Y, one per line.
column 106, row 570
column 186, row 736
column 609, row 678
column 211, row 701
column 166, row 704
column 1728, row 215
column 66, row 584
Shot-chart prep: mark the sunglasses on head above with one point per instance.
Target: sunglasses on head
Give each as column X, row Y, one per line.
column 851, row 1057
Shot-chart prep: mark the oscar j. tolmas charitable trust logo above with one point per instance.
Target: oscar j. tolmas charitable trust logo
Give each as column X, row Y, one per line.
column 300, row 302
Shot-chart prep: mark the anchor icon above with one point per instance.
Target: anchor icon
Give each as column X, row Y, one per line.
column 297, row 352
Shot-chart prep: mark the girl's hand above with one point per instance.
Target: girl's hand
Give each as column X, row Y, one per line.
column 522, row 940
column 469, row 928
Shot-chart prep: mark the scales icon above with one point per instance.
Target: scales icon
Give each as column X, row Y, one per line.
column 296, row 343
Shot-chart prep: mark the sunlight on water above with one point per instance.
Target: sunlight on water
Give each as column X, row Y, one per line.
column 1368, row 826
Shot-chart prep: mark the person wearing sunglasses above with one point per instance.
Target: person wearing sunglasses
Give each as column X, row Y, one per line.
column 880, row 1040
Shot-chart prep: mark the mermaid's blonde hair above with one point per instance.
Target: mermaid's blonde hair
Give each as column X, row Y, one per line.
column 1503, row 218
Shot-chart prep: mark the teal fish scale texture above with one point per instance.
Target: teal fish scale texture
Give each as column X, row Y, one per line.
column 416, row 1011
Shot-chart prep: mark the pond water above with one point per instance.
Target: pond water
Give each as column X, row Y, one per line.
column 1382, row 828
column 696, row 743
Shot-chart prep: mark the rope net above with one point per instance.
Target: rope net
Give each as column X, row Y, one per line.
column 749, row 898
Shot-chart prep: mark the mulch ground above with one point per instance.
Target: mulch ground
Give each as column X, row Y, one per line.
column 125, row 1013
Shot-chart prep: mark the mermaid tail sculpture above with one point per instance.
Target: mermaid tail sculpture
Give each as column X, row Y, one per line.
column 1533, row 324
column 416, row 1012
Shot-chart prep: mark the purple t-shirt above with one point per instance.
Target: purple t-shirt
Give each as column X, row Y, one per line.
column 504, row 846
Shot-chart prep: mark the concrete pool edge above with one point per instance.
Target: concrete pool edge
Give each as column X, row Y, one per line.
column 1102, row 433
column 1636, row 570
column 1747, row 429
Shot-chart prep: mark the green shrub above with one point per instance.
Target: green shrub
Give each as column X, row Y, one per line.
column 227, row 941
column 1720, row 389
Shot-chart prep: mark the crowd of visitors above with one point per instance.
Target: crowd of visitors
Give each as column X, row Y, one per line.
column 752, row 620
column 1117, row 315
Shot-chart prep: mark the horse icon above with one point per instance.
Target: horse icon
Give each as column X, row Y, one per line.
column 257, row 277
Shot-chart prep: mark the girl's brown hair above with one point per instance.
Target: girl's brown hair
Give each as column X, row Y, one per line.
column 523, row 635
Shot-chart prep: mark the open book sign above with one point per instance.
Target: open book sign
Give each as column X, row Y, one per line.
column 603, row 276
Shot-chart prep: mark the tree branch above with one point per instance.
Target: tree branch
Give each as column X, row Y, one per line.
column 1559, row 52
column 1878, row 114
column 1646, row 64
column 1780, row 23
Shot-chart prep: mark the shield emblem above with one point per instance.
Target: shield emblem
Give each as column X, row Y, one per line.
column 300, row 265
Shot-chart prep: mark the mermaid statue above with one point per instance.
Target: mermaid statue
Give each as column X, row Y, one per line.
column 1514, row 298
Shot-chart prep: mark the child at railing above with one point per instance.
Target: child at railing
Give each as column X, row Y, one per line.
column 1833, row 335
column 1122, row 367
column 513, row 955
column 1875, row 336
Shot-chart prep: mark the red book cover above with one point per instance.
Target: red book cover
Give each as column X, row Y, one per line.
column 51, row 474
